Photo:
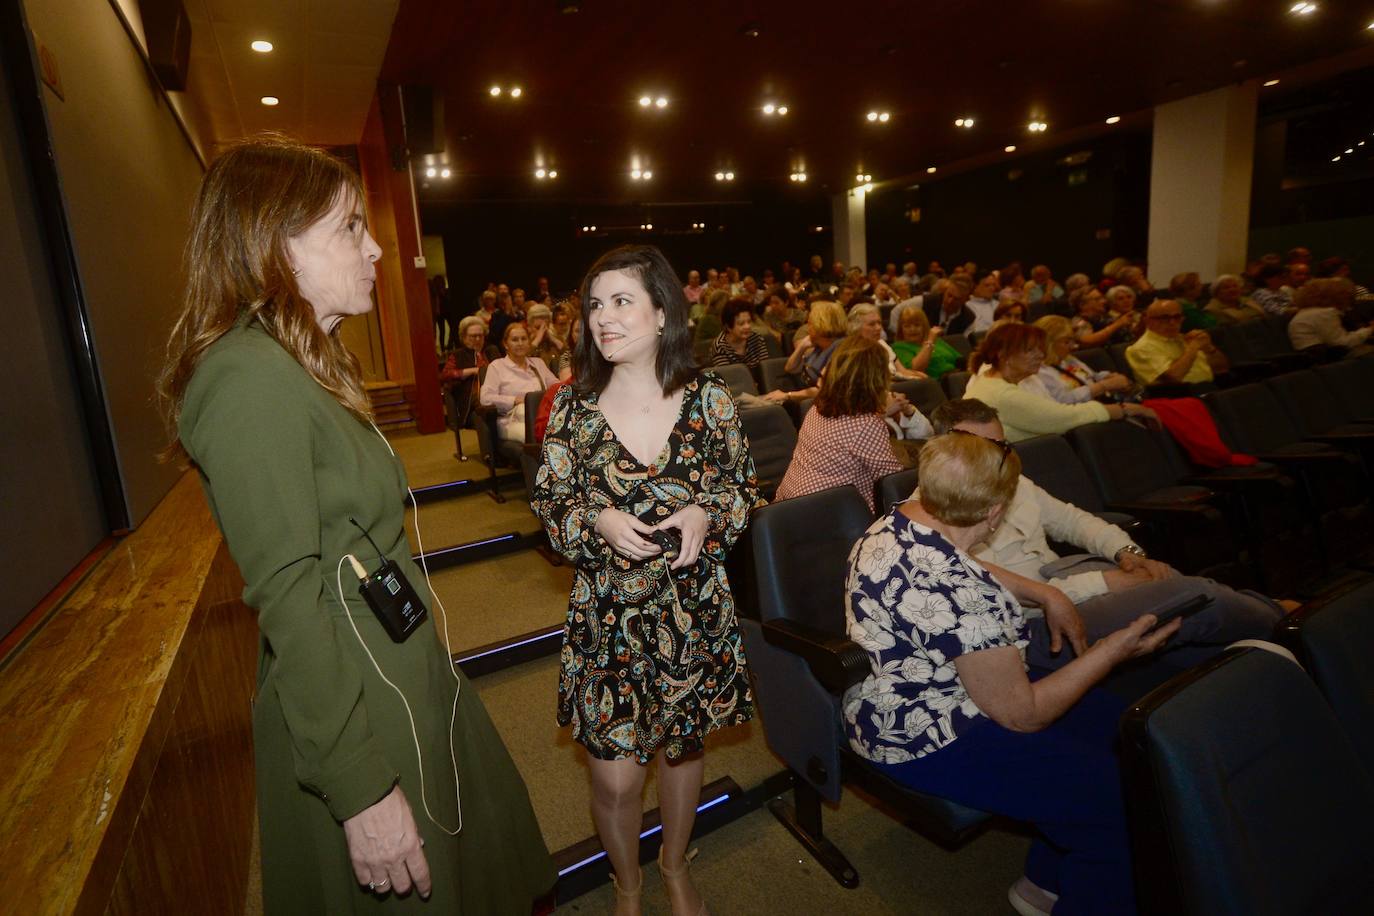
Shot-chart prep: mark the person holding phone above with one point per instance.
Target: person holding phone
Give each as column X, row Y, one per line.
column 950, row 708
column 639, row 446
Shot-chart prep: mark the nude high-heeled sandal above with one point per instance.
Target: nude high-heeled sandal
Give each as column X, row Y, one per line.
column 630, row 895
column 678, row 875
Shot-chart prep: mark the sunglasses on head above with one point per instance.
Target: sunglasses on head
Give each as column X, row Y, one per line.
column 1003, row 444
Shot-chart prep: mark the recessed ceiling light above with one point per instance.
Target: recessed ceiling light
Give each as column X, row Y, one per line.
column 1335, row 158
column 540, row 173
column 593, row 228
column 494, row 90
column 769, row 108
column 782, row 109
column 261, row 46
column 1302, row 9
column 270, row 100
column 661, row 102
column 883, row 116
column 720, row 176
column 648, row 174
column 931, row 170
column 1114, row 119
column 1349, row 151
column 729, row 176
column 1037, row 127
column 820, row 228
column 1009, row 149
column 1361, row 143
column 515, row 92
column 872, row 116
column 635, row 174
column 431, row 172
column 553, row 173
column 868, row 186
column 445, row 173
column 963, row 122
column 645, row 101
column 1271, row 83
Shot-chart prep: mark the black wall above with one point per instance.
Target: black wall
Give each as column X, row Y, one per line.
column 516, row 242
column 1033, row 209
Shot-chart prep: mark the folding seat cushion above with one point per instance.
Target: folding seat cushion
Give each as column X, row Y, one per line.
column 772, row 438
column 1230, row 812
column 1351, row 383
column 954, row 384
column 1310, row 406
column 894, row 488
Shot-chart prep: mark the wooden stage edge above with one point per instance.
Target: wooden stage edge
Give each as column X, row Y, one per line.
column 127, row 768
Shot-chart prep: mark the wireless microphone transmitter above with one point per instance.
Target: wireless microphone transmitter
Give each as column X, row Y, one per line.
column 392, row 599
column 667, row 539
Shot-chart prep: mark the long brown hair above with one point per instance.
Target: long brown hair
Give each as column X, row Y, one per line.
column 856, row 379
column 1003, row 341
column 256, row 196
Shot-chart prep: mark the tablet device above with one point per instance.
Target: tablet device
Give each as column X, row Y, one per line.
column 1185, row 607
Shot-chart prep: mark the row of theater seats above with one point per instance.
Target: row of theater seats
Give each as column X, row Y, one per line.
column 1258, row 812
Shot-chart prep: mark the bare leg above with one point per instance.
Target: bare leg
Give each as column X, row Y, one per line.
column 679, row 793
column 617, row 809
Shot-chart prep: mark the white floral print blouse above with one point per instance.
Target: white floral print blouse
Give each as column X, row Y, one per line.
column 915, row 604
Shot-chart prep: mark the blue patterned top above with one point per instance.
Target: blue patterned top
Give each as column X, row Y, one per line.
column 916, row 603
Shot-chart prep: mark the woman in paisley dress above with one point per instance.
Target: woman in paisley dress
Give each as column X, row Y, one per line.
column 642, row 444
column 950, row 708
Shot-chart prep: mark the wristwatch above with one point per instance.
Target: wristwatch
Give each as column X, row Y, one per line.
column 1130, row 548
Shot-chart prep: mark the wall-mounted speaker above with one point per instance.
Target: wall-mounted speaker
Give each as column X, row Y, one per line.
column 424, row 113
column 168, row 31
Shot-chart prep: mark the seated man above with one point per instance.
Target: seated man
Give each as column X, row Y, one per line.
column 1112, row 583
column 950, row 312
column 1165, row 354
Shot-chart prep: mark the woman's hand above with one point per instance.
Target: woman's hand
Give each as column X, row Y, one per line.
column 385, row 847
column 1063, row 621
column 1136, row 410
column 691, row 523
column 627, row 535
column 1138, row 638
column 776, row 396
column 898, row 403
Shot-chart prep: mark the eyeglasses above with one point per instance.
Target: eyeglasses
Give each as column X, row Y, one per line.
column 1172, row 316
column 1003, row 444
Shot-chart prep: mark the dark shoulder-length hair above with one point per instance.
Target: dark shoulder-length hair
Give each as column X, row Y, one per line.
column 676, row 364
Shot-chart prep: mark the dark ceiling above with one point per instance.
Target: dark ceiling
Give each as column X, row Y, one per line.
column 1070, row 63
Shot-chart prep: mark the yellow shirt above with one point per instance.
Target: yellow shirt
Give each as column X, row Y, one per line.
column 1153, row 353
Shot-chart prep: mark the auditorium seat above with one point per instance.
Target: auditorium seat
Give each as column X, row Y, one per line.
column 1245, row 795
column 893, row 488
column 1132, row 475
column 772, row 438
column 955, row 384
column 1334, row 486
column 1351, row 383
column 803, row 661
column 960, row 343
column 925, row 393
column 1331, row 636
column 1051, row 464
column 737, row 377
column 1098, row 359
column 1321, row 417
column 774, row 377
column 496, row 452
column 531, row 453
column 1118, row 354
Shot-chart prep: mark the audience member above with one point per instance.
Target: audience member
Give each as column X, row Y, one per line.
column 1270, row 293
column 693, row 289
column 486, row 307
column 1074, row 281
column 1013, row 310
column 949, row 708
column 1011, row 353
column 1113, row 581
column 464, row 364
column 1299, row 273
column 503, row 317
column 567, row 327
column 1091, row 324
column 780, row 317
column 1186, row 290
column 1338, row 267
column 921, row 348
column 738, row 343
column 1042, row 285
column 983, row 303
column 1135, row 278
column 949, row 310
column 1064, row 377
column 510, row 378
column 826, row 327
column 866, row 321
column 708, row 322
column 1320, row 304
column 1121, row 302
column 1165, row 354
column 844, row 438
column 543, row 343
column 1229, row 304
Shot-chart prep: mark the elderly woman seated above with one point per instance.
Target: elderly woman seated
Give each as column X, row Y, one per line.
column 921, row 348
column 825, row 328
column 1012, row 353
column 866, row 321
column 464, row 364
column 950, row 709
column 1229, row 304
column 1091, row 324
column 1063, row 376
column 738, row 343
column 510, row 378
column 1320, row 304
column 544, row 343
column 846, row 436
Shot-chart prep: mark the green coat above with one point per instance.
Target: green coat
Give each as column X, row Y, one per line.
column 284, row 466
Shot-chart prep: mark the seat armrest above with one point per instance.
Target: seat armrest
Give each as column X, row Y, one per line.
column 1167, row 514
column 1309, row 461
column 1259, row 481
column 836, row 661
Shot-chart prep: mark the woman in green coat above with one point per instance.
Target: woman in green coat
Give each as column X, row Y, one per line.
column 381, row 780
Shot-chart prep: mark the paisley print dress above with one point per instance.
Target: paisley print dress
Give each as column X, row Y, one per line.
column 652, row 658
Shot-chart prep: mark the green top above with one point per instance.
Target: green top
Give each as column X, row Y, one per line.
column 943, row 357
column 284, row 467
column 1194, row 317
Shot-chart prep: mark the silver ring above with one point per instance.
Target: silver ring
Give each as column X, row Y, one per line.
column 381, row 884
